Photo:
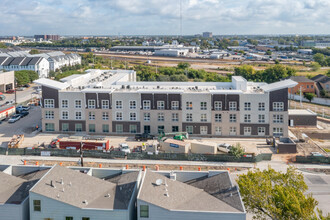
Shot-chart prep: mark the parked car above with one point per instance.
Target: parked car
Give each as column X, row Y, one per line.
column 2, row 97
column 23, row 113
column 144, row 137
column 9, row 102
column 20, row 89
column 27, row 86
column 224, row 147
column 10, row 91
column 14, row 118
column 124, row 148
column 22, row 108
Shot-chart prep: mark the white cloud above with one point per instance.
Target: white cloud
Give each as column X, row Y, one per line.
column 26, row 17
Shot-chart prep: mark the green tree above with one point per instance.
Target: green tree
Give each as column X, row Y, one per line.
column 319, row 58
column 268, row 52
column 309, row 96
column 34, row 51
column 183, row 65
column 275, row 195
column 237, row 151
column 315, row 66
column 25, row 76
column 2, row 45
column 328, row 73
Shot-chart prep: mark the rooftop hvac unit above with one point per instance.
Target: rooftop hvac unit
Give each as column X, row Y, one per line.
column 172, row 176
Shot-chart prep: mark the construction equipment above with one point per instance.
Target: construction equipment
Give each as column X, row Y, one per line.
column 176, row 135
column 16, row 141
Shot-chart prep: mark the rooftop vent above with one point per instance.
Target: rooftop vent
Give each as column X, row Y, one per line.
column 52, row 184
column 85, row 202
column 107, row 195
column 159, row 182
column 172, row 176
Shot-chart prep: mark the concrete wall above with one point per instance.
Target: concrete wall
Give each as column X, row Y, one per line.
column 303, row 120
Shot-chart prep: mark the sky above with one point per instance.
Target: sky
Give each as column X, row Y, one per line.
column 162, row 17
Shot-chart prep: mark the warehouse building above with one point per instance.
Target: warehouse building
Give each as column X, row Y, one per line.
column 113, row 102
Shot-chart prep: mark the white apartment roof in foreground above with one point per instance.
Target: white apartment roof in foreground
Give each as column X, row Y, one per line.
column 108, row 80
column 200, row 196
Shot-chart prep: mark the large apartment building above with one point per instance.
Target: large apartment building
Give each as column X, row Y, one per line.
column 113, row 102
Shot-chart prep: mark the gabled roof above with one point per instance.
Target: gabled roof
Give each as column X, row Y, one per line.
column 181, row 196
column 14, row 190
column 8, row 61
column 83, row 191
column 35, row 60
column 300, row 79
column 2, row 59
column 279, row 85
column 320, row 78
column 17, row 61
column 26, row 61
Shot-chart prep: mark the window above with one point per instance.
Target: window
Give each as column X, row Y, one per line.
column 65, row 115
column 78, row 127
column 119, row 116
column 278, row 106
column 119, row 129
column 218, row 117
column 37, row 205
column 218, row 106
column 312, row 86
column 105, row 104
column 247, row 106
column 91, row 103
column 85, row 218
column 50, row 127
column 49, row 103
column 261, row 106
column 247, row 130
column 232, row 106
column 247, row 118
column 119, row 104
column 175, row 128
column 261, row 130
column 78, row 115
column 146, row 116
column 175, row 116
column 105, row 116
column 278, row 131
column 232, row 131
column 203, row 106
column 232, row 118
column 91, row 128
column 105, row 128
column 277, row 119
column 91, row 115
column 190, row 129
column 161, row 129
column 307, row 86
column 160, row 105
column 68, row 218
column 161, row 117
column 203, row 129
column 189, row 106
column 203, row 117
column 261, row 118
column 218, row 130
column 132, row 104
column 132, row 116
column 144, row 211
column 189, row 117
column 65, row 127
column 132, row 129
column 77, row 103
column 65, row 103
column 146, row 104
column 175, row 105
column 49, row 114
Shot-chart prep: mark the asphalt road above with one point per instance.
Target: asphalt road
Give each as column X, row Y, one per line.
column 22, row 96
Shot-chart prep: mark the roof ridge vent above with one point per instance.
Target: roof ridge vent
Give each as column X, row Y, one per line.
column 107, row 195
column 52, row 184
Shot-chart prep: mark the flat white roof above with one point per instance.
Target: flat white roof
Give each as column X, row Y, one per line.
column 51, row 83
column 279, row 85
column 301, row 112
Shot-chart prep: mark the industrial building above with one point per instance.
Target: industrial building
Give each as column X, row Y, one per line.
column 113, row 102
column 46, row 37
column 191, row 49
column 172, row 52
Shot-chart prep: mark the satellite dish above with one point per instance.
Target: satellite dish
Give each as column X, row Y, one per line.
column 159, row 182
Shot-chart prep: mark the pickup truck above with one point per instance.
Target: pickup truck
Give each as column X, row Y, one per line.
column 144, row 137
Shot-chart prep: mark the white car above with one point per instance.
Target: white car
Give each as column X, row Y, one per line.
column 125, row 148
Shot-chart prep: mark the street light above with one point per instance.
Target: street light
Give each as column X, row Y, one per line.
column 15, row 86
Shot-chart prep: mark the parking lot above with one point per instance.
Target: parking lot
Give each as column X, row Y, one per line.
column 22, row 96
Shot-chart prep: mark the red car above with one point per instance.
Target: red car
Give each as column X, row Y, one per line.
column 10, row 91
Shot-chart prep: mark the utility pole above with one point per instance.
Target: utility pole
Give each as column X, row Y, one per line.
column 15, row 85
column 81, row 154
column 300, row 97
